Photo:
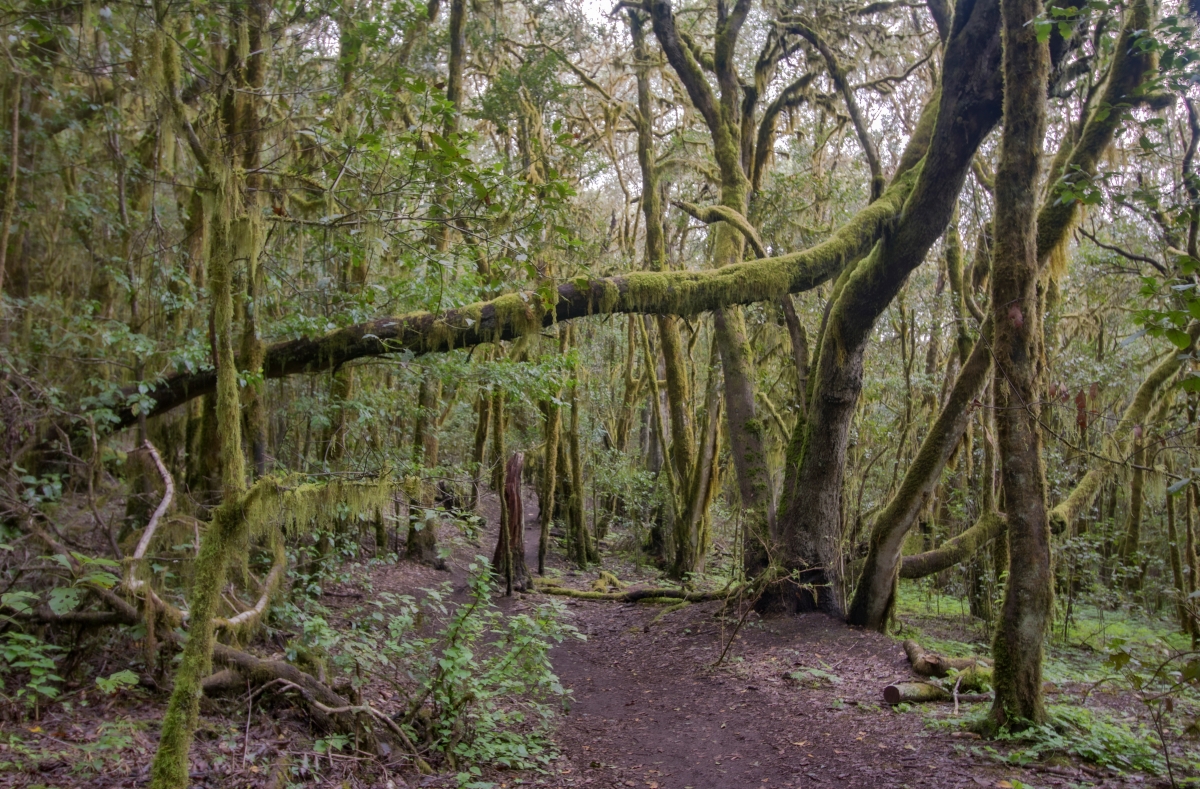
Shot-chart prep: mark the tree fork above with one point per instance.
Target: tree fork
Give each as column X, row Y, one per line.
column 967, row 109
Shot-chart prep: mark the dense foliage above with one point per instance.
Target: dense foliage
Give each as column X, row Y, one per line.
column 285, row 284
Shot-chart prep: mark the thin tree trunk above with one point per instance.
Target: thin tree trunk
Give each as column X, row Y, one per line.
column 421, row 544
column 509, row 558
column 1025, row 616
column 583, row 550
column 14, row 169
column 483, row 410
column 1193, row 561
column 553, row 420
column 1176, row 559
column 1133, row 522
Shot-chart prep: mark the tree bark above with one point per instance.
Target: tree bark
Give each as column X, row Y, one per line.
column 421, row 544
column 509, row 557
column 969, row 107
column 1016, row 316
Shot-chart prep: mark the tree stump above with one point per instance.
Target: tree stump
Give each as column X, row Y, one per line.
column 509, row 559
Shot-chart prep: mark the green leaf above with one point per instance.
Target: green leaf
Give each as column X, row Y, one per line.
column 122, row 679
column 1180, row 339
column 1175, row 487
column 64, row 599
column 18, row 601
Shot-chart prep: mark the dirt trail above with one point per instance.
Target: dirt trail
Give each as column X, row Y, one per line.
column 650, row 710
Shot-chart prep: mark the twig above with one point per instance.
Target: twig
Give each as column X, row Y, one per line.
column 422, row 765
column 249, row 710
column 168, row 495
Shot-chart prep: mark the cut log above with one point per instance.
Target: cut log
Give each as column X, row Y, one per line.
column 970, row 674
column 931, row 664
column 914, row 692
column 920, row 692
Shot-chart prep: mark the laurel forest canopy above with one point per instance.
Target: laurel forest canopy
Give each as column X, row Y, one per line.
column 804, row 306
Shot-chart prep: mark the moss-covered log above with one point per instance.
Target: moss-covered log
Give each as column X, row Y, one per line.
column 640, row 594
column 959, row 549
column 917, row 692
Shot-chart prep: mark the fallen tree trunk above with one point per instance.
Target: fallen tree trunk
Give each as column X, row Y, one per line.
column 931, row 664
column 642, row 594
column 959, row 549
column 970, row 674
column 259, row 672
column 917, row 692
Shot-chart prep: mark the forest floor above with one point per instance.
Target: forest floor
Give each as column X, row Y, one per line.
column 795, row 702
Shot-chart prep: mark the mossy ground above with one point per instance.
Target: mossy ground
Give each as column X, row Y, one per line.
column 1098, row 714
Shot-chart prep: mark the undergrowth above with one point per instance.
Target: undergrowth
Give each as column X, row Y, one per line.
column 471, row 685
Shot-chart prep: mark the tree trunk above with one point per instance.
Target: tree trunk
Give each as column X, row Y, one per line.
column 483, row 410
column 583, row 551
column 810, row 529
column 1016, row 315
column 1133, row 522
column 1176, row 559
column 509, row 558
column 421, row 545
column 553, row 420
column 1193, row 561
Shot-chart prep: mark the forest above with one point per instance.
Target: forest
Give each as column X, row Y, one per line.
column 671, row 393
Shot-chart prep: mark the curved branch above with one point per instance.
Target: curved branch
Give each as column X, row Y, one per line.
column 168, row 494
column 1084, row 493
column 517, row 314
column 720, row 213
column 989, row 526
column 838, row 75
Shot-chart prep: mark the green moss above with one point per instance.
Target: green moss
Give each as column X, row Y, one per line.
column 1123, row 90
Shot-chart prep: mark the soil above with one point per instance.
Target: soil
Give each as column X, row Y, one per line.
column 794, row 702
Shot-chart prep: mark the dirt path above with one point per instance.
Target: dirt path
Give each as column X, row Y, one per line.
column 650, row 710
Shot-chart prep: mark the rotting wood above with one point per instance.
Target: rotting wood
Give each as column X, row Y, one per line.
column 917, row 692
